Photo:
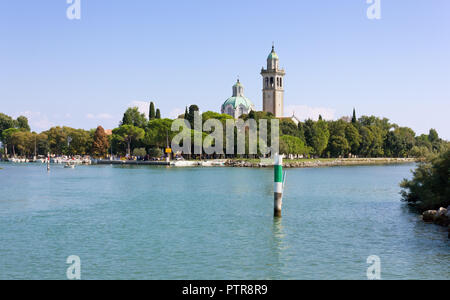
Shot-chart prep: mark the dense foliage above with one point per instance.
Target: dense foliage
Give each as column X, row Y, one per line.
column 367, row 136
column 430, row 186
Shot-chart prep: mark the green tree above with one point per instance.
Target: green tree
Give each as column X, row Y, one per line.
column 288, row 127
column 42, row 147
column 157, row 132
column 371, row 141
column 24, row 142
column 429, row 188
column 158, row 114
column 139, row 152
column 301, row 131
column 433, row 136
column 214, row 115
column 193, row 109
column 423, row 141
column 353, row 137
column 419, row 152
column 354, row 117
column 69, row 141
column 57, row 140
column 151, row 114
column 293, row 145
column 81, row 143
column 6, row 122
column 399, row 142
column 22, row 123
column 320, row 137
column 438, row 145
column 338, row 144
column 367, row 140
column 132, row 116
column 155, row 152
column 9, row 139
column 129, row 133
column 308, row 129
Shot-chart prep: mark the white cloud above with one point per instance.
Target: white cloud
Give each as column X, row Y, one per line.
column 101, row 116
column 104, row 116
column 304, row 112
column 176, row 112
column 37, row 120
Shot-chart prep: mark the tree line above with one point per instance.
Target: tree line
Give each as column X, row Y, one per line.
column 367, row 136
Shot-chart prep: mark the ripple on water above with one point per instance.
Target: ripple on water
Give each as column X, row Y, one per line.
column 212, row 223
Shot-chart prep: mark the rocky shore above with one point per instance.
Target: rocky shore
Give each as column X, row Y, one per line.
column 316, row 163
column 439, row 217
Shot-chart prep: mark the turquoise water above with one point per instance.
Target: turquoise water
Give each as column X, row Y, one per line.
column 212, row 223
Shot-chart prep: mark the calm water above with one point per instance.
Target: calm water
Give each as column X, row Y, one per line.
column 212, row 223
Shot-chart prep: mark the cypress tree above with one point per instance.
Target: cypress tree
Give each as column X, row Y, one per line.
column 186, row 114
column 158, row 114
column 151, row 114
column 354, row 117
column 192, row 110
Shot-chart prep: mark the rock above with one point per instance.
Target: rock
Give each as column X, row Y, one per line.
column 429, row 215
column 441, row 217
column 442, row 211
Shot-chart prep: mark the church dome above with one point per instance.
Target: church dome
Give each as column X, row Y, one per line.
column 273, row 54
column 237, row 104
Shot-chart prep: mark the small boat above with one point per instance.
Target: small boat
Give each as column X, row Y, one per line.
column 69, row 166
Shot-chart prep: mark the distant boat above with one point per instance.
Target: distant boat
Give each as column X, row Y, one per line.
column 69, row 166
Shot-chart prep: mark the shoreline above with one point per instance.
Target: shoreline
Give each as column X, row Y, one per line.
column 319, row 163
column 257, row 163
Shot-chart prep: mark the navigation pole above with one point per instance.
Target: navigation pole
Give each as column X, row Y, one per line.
column 278, row 185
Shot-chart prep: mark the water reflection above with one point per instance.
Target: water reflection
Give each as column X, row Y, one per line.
column 278, row 247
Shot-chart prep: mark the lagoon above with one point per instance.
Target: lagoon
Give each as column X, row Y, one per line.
column 141, row 222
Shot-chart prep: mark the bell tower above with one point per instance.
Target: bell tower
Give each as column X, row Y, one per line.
column 273, row 86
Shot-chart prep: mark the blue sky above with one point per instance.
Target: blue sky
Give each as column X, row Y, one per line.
column 84, row 73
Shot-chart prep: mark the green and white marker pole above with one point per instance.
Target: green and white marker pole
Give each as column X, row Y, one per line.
column 278, row 185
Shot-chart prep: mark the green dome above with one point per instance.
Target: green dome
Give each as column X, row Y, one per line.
column 272, row 54
column 238, row 101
